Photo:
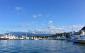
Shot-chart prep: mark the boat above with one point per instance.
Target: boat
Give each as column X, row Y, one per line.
column 4, row 38
column 78, row 39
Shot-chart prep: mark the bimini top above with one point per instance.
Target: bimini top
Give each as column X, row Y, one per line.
column 83, row 28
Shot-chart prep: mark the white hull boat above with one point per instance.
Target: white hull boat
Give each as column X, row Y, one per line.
column 79, row 39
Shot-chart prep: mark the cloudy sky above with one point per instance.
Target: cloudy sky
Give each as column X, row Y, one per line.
column 25, row 15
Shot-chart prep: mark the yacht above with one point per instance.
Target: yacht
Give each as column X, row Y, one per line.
column 78, row 38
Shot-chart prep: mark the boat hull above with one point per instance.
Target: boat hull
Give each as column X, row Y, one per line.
column 79, row 41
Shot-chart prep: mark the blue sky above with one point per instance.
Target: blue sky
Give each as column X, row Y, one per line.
column 23, row 15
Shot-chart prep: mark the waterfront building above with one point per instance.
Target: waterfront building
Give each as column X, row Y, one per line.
column 21, row 36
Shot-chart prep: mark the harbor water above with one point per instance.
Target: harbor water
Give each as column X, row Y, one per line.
column 40, row 46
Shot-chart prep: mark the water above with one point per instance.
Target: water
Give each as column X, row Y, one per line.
column 40, row 46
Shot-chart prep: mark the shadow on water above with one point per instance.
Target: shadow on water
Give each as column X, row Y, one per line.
column 79, row 44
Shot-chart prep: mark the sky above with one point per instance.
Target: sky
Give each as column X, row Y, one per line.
column 26, row 15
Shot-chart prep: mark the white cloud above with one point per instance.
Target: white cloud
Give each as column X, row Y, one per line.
column 18, row 8
column 34, row 16
column 37, row 15
column 50, row 22
column 60, row 29
column 72, row 27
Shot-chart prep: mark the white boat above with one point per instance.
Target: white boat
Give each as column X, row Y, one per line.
column 78, row 38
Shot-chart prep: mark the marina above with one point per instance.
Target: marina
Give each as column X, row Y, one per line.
column 73, row 36
column 42, row 26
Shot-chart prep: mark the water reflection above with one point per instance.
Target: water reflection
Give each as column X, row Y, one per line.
column 40, row 46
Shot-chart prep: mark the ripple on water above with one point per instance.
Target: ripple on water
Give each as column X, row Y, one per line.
column 40, row 46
